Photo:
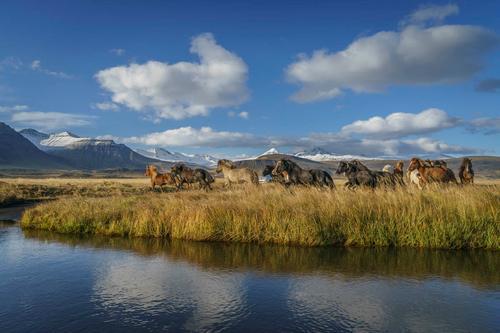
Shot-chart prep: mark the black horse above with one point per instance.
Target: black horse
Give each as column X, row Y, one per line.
column 356, row 176
column 292, row 173
column 268, row 171
column 186, row 175
column 383, row 178
column 322, row 178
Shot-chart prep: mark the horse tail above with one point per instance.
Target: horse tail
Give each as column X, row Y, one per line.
column 209, row 179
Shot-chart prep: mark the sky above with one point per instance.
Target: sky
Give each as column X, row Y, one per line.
column 234, row 78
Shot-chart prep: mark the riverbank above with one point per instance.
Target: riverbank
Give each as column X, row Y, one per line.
column 452, row 218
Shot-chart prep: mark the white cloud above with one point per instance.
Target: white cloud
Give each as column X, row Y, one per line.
column 243, row 114
column 203, row 137
column 402, row 124
column 431, row 146
column 36, row 65
column 106, row 106
column 487, row 125
column 183, row 89
column 414, row 55
column 117, row 51
column 433, row 13
column 51, row 120
column 13, row 108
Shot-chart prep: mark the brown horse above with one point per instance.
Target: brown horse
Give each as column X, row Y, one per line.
column 465, row 173
column 159, row 179
column 232, row 174
column 431, row 174
column 186, row 175
column 293, row 173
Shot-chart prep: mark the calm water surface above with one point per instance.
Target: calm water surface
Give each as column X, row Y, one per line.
column 56, row 283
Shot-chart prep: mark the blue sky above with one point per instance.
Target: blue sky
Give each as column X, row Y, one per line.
column 291, row 74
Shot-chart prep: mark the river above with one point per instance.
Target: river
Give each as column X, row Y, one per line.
column 61, row 283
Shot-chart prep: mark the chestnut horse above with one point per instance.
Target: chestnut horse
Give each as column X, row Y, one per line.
column 159, row 179
column 431, row 174
column 465, row 173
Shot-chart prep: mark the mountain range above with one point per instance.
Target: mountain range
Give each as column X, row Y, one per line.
column 32, row 149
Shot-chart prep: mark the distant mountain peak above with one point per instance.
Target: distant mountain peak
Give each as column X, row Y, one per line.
column 271, row 151
column 169, row 156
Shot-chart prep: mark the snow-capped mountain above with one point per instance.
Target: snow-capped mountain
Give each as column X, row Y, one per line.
column 165, row 155
column 271, row 151
column 319, row 155
column 58, row 140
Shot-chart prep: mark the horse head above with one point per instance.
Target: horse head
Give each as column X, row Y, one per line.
column 280, row 167
column 224, row 164
column 342, row 167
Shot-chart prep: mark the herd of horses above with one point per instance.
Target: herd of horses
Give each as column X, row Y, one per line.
column 286, row 172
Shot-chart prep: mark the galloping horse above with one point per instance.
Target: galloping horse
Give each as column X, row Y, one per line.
column 159, row 179
column 465, row 173
column 232, row 174
column 383, row 178
column 356, row 175
column 186, row 175
column 432, row 174
column 293, row 173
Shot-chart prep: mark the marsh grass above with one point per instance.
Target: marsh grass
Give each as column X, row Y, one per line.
column 16, row 192
column 450, row 217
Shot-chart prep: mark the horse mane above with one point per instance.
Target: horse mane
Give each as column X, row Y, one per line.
column 360, row 166
column 227, row 163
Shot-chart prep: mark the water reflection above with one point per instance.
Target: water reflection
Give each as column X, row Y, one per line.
column 52, row 282
column 479, row 268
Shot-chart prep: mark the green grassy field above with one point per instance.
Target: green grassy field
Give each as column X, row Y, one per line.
column 451, row 217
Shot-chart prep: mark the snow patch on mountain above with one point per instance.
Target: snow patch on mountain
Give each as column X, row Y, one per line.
column 321, row 155
column 272, row 151
column 34, row 136
column 167, row 156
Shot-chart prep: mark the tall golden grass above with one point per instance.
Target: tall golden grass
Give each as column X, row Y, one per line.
column 450, row 217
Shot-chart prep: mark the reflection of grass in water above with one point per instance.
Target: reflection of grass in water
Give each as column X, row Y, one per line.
column 476, row 267
column 453, row 217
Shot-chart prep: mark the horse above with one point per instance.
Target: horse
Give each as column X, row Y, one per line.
column 293, row 173
column 465, row 172
column 388, row 168
column 437, row 163
column 383, row 178
column 186, row 175
column 268, row 171
column 398, row 169
column 415, row 178
column 356, row 176
column 232, row 174
column 159, row 179
column 432, row 174
column 322, row 178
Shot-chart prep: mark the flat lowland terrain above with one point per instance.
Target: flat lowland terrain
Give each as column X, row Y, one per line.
column 438, row 217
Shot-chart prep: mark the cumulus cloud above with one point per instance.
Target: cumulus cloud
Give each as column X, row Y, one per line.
column 489, row 85
column 51, row 120
column 401, row 124
column 202, row 137
column 413, row 55
column 183, row 89
column 36, row 65
column 432, row 13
